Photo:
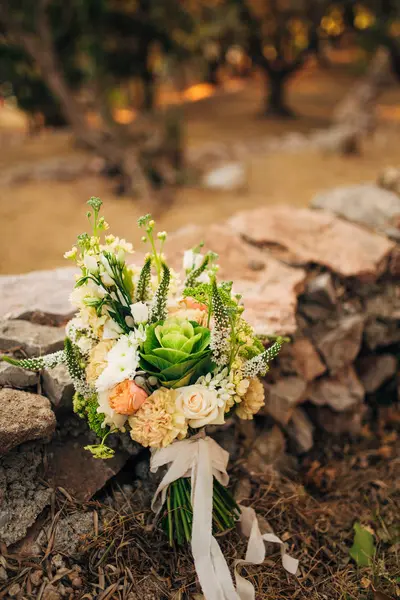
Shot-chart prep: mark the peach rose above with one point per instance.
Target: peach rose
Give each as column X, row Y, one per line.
column 127, row 397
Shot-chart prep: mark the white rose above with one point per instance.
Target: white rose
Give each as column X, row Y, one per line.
column 199, row 405
column 140, row 312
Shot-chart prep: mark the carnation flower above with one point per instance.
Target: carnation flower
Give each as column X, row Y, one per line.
column 200, row 406
column 127, row 397
column 158, row 422
column 252, row 401
column 98, row 360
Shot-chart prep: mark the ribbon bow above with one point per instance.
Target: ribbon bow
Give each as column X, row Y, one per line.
column 201, row 458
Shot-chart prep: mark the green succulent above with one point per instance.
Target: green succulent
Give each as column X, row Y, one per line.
column 176, row 351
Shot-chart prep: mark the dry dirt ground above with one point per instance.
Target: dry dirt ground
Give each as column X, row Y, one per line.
column 313, row 510
column 39, row 220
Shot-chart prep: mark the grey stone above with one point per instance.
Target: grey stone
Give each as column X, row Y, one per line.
column 11, row 376
column 383, row 317
column 22, row 494
column 58, row 387
column 340, row 423
column 268, row 448
column 281, row 398
column 375, row 370
column 365, row 204
column 340, row 392
column 24, row 417
column 229, row 177
column 340, row 346
column 43, row 291
column 70, row 532
column 321, row 290
column 300, row 430
column 33, row 339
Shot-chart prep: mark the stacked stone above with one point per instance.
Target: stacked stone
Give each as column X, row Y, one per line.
column 330, row 284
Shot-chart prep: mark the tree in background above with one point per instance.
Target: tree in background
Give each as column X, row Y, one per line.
column 280, row 36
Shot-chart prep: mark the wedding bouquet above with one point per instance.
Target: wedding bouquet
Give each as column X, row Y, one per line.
column 162, row 358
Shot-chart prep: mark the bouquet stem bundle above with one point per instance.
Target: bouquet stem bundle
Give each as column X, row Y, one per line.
column 177, row 512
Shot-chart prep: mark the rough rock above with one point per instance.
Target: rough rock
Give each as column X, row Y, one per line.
column 281, row 398
column 300, row 431
column 374, row 370
column 24, row 417
column 303, row 236
column 15, row 377
column 70, row 532
column 365, row 204
column 34, row 340
column 321, row 290
column 22, row 495
column 340, row 346
column 268, row 449
column 58, row 387
column 383, row 322
column 73, row 468
column 341, row 392
column 44, row 291
column 305, row 360
column 340, row 423
column 269, row 288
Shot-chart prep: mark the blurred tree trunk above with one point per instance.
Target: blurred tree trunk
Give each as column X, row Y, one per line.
column 276, row 95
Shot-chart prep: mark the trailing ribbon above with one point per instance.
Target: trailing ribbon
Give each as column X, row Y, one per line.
column 201, row 458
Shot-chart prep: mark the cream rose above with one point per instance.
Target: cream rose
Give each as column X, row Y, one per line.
column 200, row 406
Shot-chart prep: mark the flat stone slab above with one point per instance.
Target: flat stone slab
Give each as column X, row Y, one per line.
column 34, row 340
column 16, row 377
column 303, row 236
column 24, row 417
column 365, row 204
column 73, row 468
column 269, row 287
column 43, row 291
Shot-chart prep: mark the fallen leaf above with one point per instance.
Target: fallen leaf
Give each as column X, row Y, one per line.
column 363, row 548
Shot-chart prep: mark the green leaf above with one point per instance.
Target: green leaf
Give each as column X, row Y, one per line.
column 363, row 548
column 173, row 340
column 189, row 345
column 173, row 356
column 178, row 370
column 204, row 340
column 151, row 338
column 156, row 361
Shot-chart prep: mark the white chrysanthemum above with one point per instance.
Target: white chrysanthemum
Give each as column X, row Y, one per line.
column 123, row 361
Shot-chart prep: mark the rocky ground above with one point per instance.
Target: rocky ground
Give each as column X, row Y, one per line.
column 322, row 454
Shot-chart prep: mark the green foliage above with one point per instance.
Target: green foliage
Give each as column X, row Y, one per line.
column 86, row 408
column 74, row 361
column 50, row 361
column 202, row 292
column 95, row 419
column 176, row 351
column 142, row 288
column 363, row 548
column 159, row 307
column 195, row 273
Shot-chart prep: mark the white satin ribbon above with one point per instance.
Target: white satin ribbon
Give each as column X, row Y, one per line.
column 201, row 458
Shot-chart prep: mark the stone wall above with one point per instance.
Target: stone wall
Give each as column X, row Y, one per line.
column 329, row 283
